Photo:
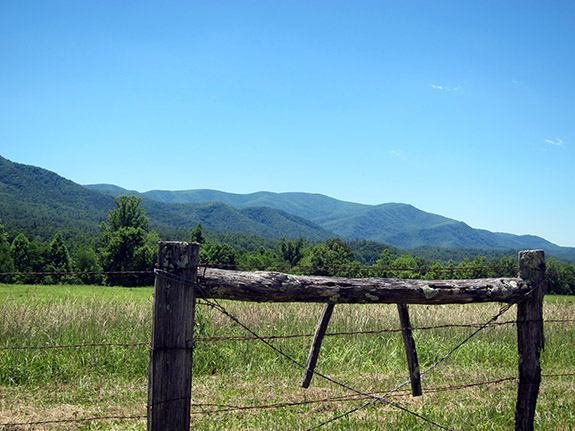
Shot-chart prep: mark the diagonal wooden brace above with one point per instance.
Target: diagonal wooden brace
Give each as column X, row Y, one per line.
column 409, row 343
column 316, row 345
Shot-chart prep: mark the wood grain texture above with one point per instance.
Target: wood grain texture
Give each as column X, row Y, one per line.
column 530, row 338
column 262, row 286
column 170, row 369
column 410, row 350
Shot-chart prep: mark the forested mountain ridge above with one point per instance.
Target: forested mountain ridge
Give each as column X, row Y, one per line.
column 401, row 225
column 40, row 203
column 219, row 217
column 311, row 206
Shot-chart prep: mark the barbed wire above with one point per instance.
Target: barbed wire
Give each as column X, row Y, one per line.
column 368, row 332
column 62, row 421
column 336, row 268
column 225, row 408
column 70, row 346
column 217, row 306
column 502, row 311
column 515, row 267
column 275, row 337
column 47, row 273
column 214, row 303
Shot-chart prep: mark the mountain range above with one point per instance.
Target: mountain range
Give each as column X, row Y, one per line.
column 398, row 224
column 40, row 202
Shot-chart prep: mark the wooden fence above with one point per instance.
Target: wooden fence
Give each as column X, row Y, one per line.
column 170, row 370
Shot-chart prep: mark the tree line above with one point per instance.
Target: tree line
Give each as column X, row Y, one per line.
column 125, row 252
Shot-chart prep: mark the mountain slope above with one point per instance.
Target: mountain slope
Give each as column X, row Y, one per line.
column 386, row 222
column 398, row 224
column 219, row 217
column 39, row 203
column 311, row 206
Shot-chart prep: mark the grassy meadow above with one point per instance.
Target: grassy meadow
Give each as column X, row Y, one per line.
column 55, row 384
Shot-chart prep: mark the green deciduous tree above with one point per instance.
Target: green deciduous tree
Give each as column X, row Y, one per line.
column 6, row 262
column 383, row 265
column 58, row 260
column 407, row 266
column 560, row 277
column 220, row 255
column 197, row 234
column 329, row 258
column 20, row 253
column 292, row 251
column 87, row 263
column 502, row 267
column 263, row 259
column 126, row 246
column 477, row 268
column 436, row 272
column 127, row 214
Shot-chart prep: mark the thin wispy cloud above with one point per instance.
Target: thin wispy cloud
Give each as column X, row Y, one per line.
column 445, row 88
column 556, row 142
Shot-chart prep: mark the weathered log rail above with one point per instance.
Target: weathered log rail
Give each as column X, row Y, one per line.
column 264, row 286
column 178, row 284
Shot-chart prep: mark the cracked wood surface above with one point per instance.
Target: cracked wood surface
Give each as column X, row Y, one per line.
column 268, row 286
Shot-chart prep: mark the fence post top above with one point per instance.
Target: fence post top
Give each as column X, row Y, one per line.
column 532, row 259
column 177, row 255
column 531, row 252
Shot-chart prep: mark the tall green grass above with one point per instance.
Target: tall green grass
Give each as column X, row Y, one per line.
column 46, row 321
column 44, row 384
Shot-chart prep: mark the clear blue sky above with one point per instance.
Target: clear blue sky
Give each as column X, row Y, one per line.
column 460, row 108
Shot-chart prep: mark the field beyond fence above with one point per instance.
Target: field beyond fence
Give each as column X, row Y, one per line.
column 86, row 365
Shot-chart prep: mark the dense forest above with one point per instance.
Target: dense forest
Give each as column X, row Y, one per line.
column 126, row 246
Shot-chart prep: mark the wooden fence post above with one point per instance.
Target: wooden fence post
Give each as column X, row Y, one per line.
column 530, row 337
column 170, row 369
column 410, row 351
